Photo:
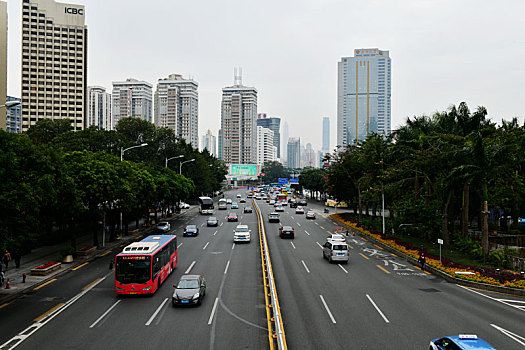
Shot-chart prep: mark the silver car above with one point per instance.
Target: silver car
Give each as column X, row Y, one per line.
column 336, row 251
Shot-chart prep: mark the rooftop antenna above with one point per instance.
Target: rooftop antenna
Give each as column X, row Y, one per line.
column 237, row 73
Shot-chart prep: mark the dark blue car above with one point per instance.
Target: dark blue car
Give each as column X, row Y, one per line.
column 191, row 230
column 462, row 341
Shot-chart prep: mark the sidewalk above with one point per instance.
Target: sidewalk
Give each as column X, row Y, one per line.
column 45, row 254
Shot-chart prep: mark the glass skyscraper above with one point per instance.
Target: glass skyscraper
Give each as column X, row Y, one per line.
column 363, row 95
column 274, row 124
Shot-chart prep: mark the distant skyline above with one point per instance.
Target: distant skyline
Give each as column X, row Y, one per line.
column 443, row 52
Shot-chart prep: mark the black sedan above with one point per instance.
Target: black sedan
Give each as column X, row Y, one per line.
column 212, row 221
column 286, row 231
column 191, row 230
column 189, row 291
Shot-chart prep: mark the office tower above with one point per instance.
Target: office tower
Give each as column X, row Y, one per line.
column 363, row 95
column 310, row 159
column 285, row 141
column 294, row 153
column 208, row 142
column 266, row 150
column 238, row 123
column 273, row 124
column 177, row 107
column 54, row 63
column 219, row 144
column 131, row 98
column 14, row 116
column 3, row 63
column 99, row 108
column 326, row 135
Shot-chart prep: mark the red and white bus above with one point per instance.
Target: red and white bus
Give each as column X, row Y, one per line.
column 142, row 266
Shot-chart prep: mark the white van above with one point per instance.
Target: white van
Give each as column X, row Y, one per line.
column 222, row 204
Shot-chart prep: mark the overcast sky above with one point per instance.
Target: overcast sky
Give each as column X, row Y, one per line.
column 443, row 52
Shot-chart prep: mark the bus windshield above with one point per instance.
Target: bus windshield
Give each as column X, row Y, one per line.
column 133, row 269
column 206, row 202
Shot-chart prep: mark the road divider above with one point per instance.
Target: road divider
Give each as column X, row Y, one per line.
column 276, row 335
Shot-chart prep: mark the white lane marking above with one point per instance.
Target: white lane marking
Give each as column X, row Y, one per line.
column 320, row 246
column 179, row 245
column 307, row 232
column 495, row 299
column 205, row 245
column 213, row 311
column 227, row 265
column 327, row 309
column 202, row 224
column 105, row 313
column 305, row 266
column 189, row 268
column 298, row 224
column 511, row 335
column 233, row 245
column 292, row 217
column 342, row 268
column 215, row 233
column 378, row 310
column 292, row 245
column 156, row 312
column 222, row 223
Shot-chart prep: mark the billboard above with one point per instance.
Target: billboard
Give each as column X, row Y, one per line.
column 244, row 169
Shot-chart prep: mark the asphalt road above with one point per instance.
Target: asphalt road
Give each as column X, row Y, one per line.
column 376, row 301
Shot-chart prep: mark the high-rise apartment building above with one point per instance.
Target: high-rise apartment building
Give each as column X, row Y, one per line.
column 310, row 157
column 326, row 135
column 238, row 124
column 294, row 153
column 14, row 116
column 219, row 144
column 3, row 63
column 208, row 142
column 177, row 107
column 54, row 63
column 285, row 143
column 266, row 150
column 99, row 108
column 273, row 124
column 131, row 98
column 363, row 95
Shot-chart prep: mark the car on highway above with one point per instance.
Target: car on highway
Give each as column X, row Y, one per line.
column 292, row 203
column 238, row 195
column 302, row 202
column 286, row 232
column 163, row 226
column 248, row 209
column 462, row 341
column 233, row 217
column 249, row 196
column 273, row 217
column 241, row 234
column 336, row 237
column 183, row 205
column 310, row 214
column 279, row 208
column 212, row 221
column 283, row 203
column 336, row 251
column 272, row 202
column 242, row 200
column 228, row 201
column 235, row 205
column 190, row 290
column 191, row 230
column 299, row 210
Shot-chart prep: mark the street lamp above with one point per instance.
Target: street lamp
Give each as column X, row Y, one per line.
column 382, row 195
column 124, row 150
column 180, row 166
column 121, row 159
column 10, row 104
column 167, row 159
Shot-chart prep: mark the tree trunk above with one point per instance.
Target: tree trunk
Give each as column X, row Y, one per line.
column 444, row 221
column 485, row 231
column 360, row 205
column 391, row 217
column 416, row 187
column 72, row 235
column 465, row 209
column 451, row 214
column 94, row 228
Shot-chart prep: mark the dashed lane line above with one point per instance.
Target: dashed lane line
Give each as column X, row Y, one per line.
column 78, row 267
column 327, row 309
column 305, row 267
column 189, row 268
column 342, row 268
column 364, row 256
column 377, row 308
column 45, row 284
column 385, row 270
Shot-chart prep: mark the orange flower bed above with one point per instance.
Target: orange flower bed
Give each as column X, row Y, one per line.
column 475, row 276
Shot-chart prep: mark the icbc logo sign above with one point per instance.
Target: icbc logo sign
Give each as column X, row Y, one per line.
column 74, row 11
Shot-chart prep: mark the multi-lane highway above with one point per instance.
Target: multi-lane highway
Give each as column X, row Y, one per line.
column 376, row 301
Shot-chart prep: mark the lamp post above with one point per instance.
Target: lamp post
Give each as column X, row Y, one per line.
column 168, row 159
column 10, row 104
column 187, row 161
column 382, row 195
column 122, row 150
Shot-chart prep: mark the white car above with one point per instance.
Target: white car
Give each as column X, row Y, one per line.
column 279, row 208
column 299, row 210
column 163, row 226
column 183, row 205
column 241, row 234
column 337, row 238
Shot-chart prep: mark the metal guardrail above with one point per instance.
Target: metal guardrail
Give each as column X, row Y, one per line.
column 273, row 311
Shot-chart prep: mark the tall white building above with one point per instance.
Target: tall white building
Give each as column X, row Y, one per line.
column 177, row 107
column 363, row 95
column 238, row 124
column 99, row 108
column 310, row 157
column 131, row 98
column 209, row 142
column 266, row 149
column 54, row 63
column 294, row 153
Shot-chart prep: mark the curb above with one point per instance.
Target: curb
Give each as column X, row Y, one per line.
column 11, row 297
column 434, row 271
